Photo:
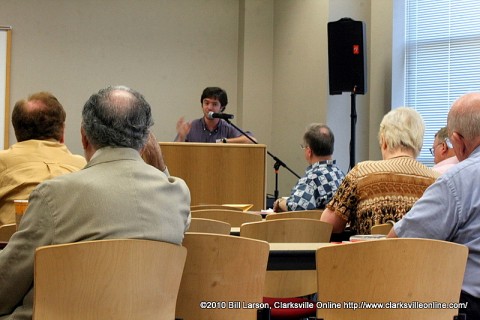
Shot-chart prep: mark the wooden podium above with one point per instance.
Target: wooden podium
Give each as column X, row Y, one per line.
column 219, row 173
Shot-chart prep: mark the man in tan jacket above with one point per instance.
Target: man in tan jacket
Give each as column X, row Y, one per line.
column 116, row 196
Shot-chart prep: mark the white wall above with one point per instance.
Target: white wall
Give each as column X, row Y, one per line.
column 169, row 50
column 300, row 82
column 256, row 69
column 270, row 55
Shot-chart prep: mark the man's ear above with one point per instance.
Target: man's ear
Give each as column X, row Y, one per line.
column 85, row 142
column 383, row 143
column 459, row 145
column 444, row 149
column 62, row 137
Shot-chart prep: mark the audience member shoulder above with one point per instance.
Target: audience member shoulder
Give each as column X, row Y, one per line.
column 402, row 165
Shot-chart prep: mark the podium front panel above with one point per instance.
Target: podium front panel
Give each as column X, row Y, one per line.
column 219, row 173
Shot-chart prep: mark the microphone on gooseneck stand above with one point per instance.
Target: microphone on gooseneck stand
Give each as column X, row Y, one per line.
column 278, row 162
column 224, row 116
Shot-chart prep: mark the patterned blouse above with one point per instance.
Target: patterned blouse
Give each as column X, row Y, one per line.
column 374, row 192
column 316, row 188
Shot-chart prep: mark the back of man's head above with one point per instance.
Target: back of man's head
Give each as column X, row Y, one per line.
column 39, row 117
column 117, row 117
column 464, row 116
column 320, row 139
column 463, row 124
column 442, row 134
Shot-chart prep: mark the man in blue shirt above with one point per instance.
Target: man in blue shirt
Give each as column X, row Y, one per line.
column 450, row 208
column 322, row 177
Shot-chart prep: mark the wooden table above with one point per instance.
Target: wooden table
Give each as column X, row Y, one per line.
column 290, row 256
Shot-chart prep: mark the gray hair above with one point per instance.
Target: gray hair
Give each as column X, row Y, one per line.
column 464, row 116
column 442, row 134
column 402, row 128
column 320, row 139
column 111, row 119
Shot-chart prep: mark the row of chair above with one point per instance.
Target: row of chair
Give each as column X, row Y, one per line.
column 284, row 284
column 223, row 272
column 296, row 226
column 237, row 218
column 281, row 285
column 143, row 279
column 222, row 277
column 218, row 212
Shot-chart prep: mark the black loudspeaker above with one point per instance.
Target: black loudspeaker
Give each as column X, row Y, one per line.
column 346, row 56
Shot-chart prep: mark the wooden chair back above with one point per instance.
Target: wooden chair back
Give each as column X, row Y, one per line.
column 389, row 270
column 213, row 206
column 289, row 283
column 234, row 217
column 6, row 231
column 209, row 226
column 221, row 269
column 307, row 214
column 108, row 279
column 288, row 230
column 383, row 228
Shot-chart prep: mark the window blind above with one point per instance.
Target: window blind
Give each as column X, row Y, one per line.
column 442, row 59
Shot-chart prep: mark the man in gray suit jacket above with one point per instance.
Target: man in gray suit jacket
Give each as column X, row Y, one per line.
column 117, row 195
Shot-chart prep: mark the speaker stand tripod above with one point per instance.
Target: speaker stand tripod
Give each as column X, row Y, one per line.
column 353, row 122
column 278, row 163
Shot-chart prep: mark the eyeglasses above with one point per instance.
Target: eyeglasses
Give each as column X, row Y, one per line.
column 303, row 146
column 446, row 141
column 432, row 150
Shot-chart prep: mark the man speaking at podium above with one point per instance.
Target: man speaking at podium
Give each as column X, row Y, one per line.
column 212, row 127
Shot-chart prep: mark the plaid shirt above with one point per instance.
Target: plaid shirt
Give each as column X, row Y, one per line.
column 317, row 187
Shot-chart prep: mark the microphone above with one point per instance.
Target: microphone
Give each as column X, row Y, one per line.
column 225, row 116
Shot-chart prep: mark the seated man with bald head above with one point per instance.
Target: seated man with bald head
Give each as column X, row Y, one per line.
column 38, row 155
column 450, row 209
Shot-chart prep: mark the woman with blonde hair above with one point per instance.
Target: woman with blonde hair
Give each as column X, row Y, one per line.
column 376, row 192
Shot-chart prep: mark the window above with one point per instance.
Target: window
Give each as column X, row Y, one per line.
column 441, row 59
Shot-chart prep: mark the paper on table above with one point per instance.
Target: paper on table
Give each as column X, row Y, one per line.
column 244, row 207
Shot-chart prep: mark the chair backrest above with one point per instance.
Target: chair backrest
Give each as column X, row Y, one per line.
column 289, row 283
column 383, row 228
column 234, row 217
column 213, row 206
column 108, row 279
column 307, row 214
column 288, row 230
column 389, row 271
column 6, row 231
column 209, row 226
column 221, row 269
